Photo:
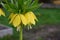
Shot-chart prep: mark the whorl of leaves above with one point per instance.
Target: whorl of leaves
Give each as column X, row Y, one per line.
column 20, row 6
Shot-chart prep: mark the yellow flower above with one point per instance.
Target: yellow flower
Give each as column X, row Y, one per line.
column 1, row 12
column 30, row 17
column 23, row 19
column 17, row 21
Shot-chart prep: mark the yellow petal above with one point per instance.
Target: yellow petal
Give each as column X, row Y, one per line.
column 12, row 18
column 33, row 16
column 17, row 21
column 23, row 18
column 33, row 22
column 11, row 15
column 1, row 12
column 28, row 18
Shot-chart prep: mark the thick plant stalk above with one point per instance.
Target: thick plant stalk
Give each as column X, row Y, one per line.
column 21, row 34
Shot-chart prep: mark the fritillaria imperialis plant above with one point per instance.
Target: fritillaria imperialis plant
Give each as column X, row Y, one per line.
column 21, row 13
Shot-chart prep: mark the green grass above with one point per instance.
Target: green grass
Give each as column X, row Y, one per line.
column 49, row 16
column 46, row 16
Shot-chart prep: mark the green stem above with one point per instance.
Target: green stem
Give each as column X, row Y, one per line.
column 21, row 34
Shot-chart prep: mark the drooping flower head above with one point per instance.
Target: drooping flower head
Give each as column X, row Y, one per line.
column 26, row 19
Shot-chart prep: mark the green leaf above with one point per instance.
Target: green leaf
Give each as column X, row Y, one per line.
column 31, row 5
column 21, row 6
column 20, row 3
column 12, row 2
column 16, row 3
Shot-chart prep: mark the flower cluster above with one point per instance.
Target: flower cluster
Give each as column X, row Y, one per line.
column 26, row 19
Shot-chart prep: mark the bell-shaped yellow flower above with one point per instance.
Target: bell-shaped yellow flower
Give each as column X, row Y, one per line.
column 1, row 12
column 23, row 19
column 30, row 17
column 17, row 21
